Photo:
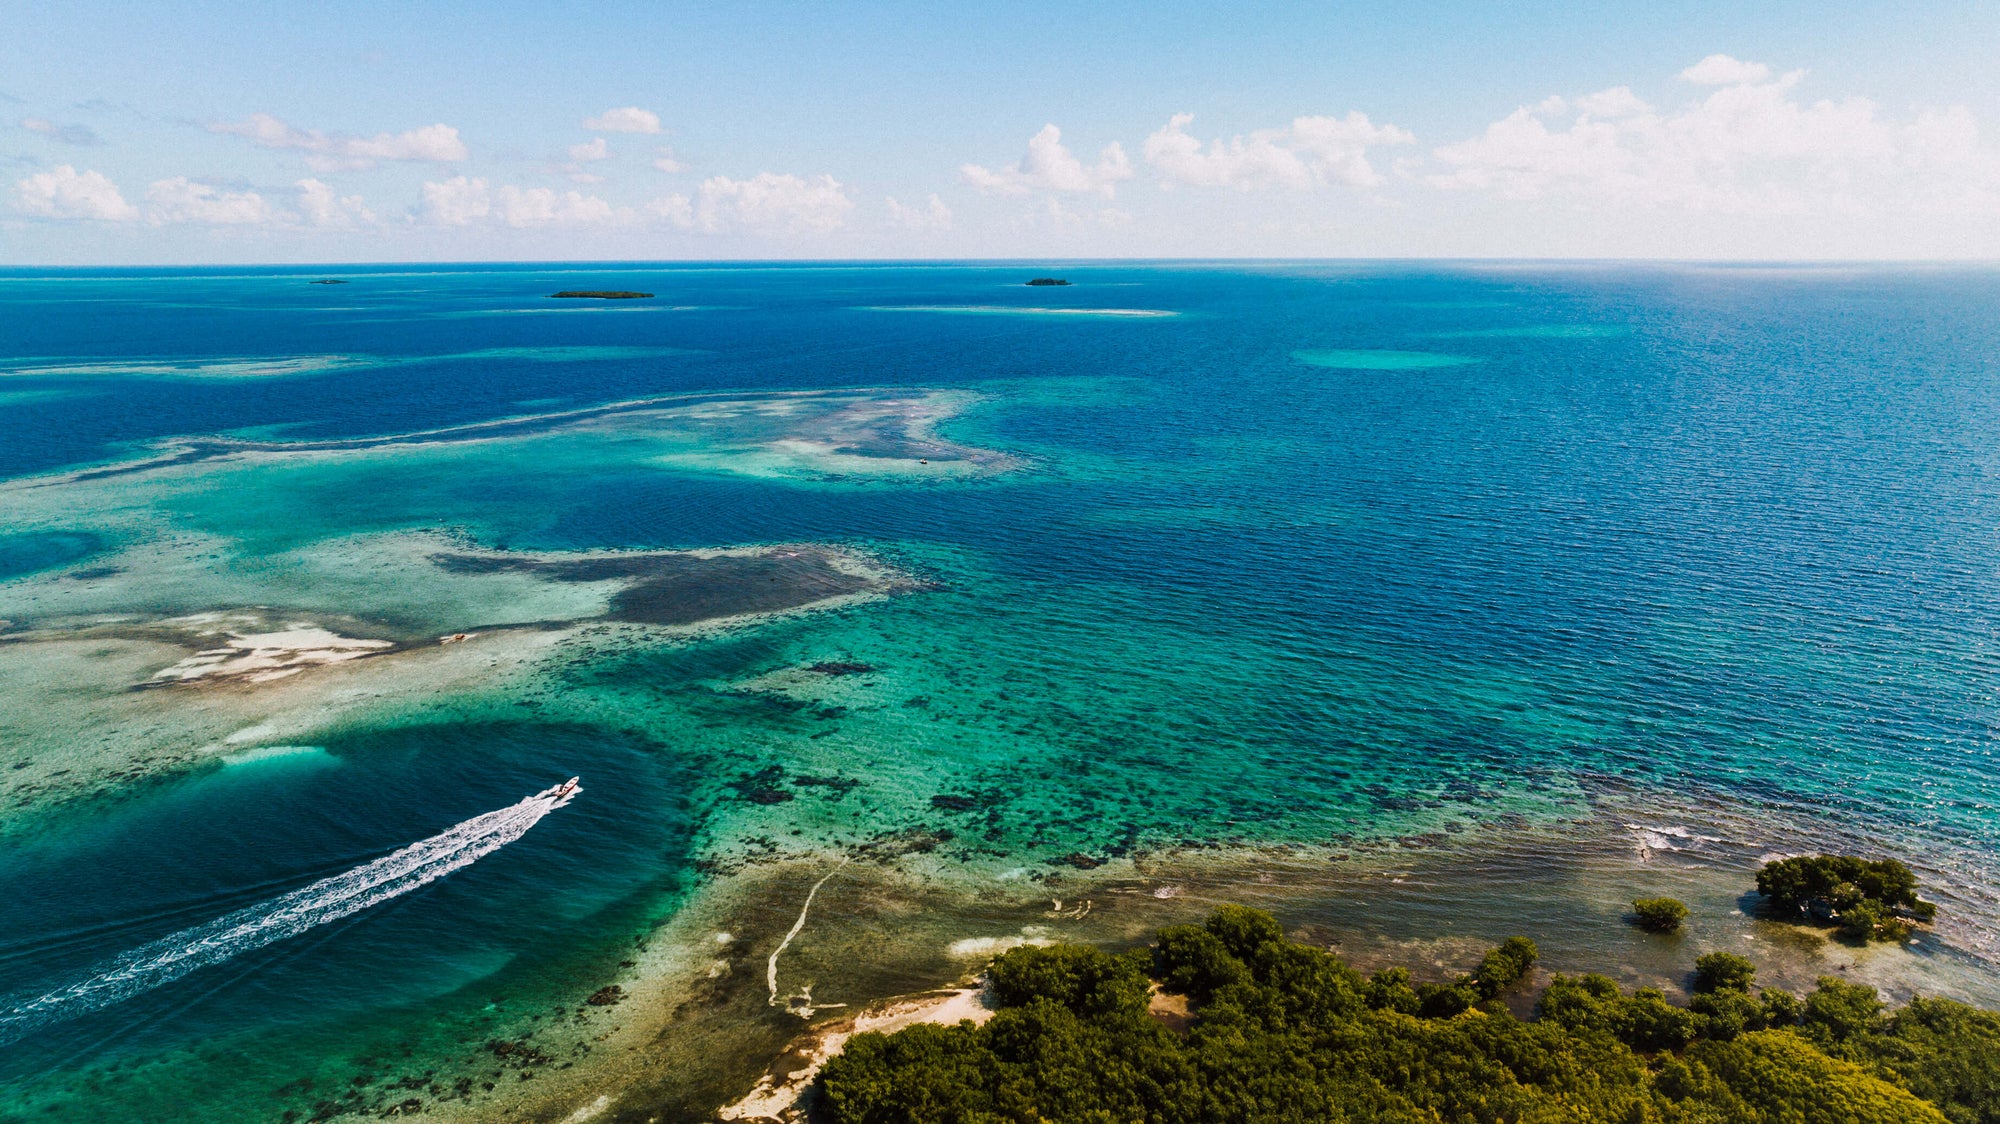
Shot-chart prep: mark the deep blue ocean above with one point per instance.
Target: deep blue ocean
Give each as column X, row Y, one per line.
column 1310, row 554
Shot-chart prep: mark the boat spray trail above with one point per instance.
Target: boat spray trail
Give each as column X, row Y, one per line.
column 288, row 915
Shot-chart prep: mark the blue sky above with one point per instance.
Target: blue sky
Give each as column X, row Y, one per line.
column 371, row 132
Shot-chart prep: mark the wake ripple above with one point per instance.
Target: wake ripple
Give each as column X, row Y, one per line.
column 288, row 915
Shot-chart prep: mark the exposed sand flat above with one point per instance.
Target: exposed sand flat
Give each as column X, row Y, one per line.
column 72, row 726
column 261, row 657
column 776, row 1094
column 378, row 586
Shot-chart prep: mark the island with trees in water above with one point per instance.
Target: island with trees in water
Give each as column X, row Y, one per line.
column 1229, row 1022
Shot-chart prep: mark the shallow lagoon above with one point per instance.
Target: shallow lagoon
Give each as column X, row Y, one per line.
column 1168, row 597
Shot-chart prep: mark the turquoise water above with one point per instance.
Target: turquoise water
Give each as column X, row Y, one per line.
column 1382, row 359
column 1331, row 554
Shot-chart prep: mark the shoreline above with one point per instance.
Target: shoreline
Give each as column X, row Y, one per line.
column 894, row 942
column 777, row 1093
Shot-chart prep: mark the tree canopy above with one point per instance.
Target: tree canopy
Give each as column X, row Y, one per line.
column 1283, row 1033
column 1870, row 899
column 1659, row 915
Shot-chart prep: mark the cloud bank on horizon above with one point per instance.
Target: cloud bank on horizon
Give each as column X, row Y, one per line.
column 1724, row 157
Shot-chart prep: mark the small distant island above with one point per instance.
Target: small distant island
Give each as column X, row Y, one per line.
column 602, row 294
column 330, row 281
column 1048, row 281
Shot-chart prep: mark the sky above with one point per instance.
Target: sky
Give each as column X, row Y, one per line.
column 134, row 133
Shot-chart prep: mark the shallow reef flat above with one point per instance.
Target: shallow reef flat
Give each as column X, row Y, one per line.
column 694, row 587
column 809, row 435
column 161, row 609
column 167, row 604
column 203, row 369
column 270, row 367
column 158, row 693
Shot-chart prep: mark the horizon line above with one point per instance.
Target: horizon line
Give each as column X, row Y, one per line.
column 665, row 263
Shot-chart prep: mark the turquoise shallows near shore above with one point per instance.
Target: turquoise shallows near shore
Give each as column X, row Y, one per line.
column 1381, row 359
column 1030, row 626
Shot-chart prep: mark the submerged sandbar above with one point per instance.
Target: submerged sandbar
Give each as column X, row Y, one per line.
column 833, row 434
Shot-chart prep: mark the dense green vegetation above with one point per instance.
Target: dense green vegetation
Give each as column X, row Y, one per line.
column 1660, row 915
column 1869, row 899
column 1282, row 1032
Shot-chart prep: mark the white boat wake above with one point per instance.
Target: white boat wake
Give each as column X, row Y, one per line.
column 288, row 915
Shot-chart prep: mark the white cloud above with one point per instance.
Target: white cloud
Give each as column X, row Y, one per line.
column 1310, row 152
column 666, row 162
column 1721, row 70
column 79, row 135
column 630, row 119
column 767, row 203
column 1750, row 146
column 320, row 205
column 1060, row 216
column 934, row 215
column 328, row 152
column 1050, row 166
column 1056, row 215
column 66, row 193
column 460, row 201
column 457, row 201
column 541, row 206
column 1618, row 101
column 183, row 200
column 438, row 143
column 580, row 155
column 676, row 209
